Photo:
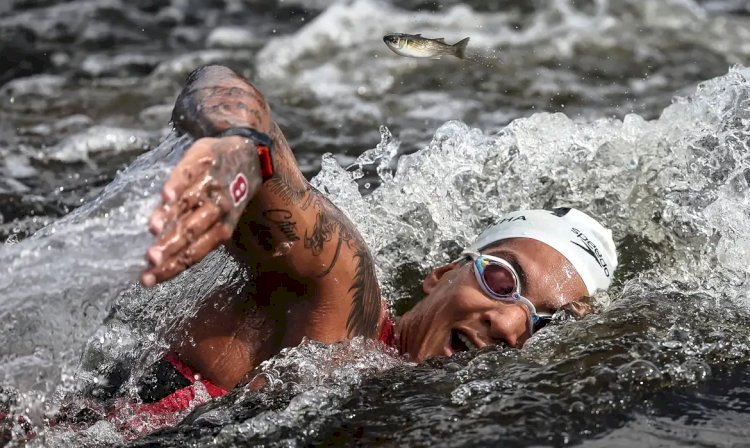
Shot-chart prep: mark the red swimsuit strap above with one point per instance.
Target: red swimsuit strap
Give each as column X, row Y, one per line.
column 180, row 399
column 387, row 331
column 193, row 376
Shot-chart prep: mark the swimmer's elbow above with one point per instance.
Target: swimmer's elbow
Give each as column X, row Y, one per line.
column 216, row 98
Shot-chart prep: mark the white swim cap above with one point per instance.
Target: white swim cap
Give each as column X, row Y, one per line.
column 586, row 244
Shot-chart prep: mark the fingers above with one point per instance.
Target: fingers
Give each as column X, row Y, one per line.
column 161, row 217
column 187, row 256
column 194, row 197
column 184, row 232
column 201, row 220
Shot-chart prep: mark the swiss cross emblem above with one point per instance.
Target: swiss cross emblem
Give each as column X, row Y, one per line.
column 238, row 189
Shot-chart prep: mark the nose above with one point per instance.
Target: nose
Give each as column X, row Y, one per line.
column 507, row 323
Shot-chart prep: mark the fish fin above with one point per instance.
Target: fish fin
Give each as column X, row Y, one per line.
column 460, row 48
column 440, row 39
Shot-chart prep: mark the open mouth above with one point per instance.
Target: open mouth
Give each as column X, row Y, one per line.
column 460, row 342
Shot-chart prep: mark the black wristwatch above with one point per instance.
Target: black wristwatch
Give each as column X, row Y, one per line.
column 263, row 143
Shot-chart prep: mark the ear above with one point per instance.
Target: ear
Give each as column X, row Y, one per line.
column 434, row 277
column 580, row 307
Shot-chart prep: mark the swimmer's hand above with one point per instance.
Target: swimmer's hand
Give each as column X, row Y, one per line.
column 202, row 201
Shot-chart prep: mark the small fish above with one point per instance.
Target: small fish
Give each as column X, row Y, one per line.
column 416, row 46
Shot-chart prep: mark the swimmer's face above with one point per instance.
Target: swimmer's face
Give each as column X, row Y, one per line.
column 456, row 314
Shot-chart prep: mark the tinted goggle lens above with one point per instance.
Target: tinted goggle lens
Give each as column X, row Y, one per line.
column 498, row 278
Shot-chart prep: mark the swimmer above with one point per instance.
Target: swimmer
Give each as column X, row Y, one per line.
column 238, row 185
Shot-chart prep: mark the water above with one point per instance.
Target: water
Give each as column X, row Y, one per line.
column 635, row 111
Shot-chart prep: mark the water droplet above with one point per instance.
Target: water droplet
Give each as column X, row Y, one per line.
column 577, row 407
column 672, row 344
column 639, row 371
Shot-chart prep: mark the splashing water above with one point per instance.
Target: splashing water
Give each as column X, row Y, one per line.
column 674, row 190
column 663, row 361
column 59, row 284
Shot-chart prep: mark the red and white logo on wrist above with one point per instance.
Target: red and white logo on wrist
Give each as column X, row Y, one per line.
column 238, row 188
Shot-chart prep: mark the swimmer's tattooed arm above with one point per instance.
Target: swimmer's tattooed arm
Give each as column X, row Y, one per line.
column 284, row 222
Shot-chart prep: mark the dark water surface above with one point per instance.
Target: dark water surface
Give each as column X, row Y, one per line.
column 636, row 111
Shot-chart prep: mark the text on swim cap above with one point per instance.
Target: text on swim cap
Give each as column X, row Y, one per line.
column 512, row 218
column 590, row 249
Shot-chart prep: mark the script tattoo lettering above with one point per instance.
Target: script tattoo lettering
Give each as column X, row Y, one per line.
column 283, row 221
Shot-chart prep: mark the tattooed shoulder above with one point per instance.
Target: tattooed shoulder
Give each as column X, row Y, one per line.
column 365, row 314
column 330, row 224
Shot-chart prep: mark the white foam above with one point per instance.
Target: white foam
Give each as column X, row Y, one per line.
column 687, row 168
column 98, row 140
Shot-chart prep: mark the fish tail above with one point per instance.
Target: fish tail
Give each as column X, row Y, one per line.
column 459, row 48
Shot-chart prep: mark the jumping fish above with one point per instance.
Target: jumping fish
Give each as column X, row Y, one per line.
column 416, row 46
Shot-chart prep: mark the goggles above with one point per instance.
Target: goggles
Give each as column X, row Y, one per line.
column 500, row 281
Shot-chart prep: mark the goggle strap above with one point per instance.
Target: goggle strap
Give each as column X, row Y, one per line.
column 533, row 316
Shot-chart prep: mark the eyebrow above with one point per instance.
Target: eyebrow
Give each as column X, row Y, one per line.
column 511, row 258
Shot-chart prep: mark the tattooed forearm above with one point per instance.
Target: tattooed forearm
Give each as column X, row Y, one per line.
column 308, row 201
column 365, row 313
column 287, row 183
column 223, row 92
column 285, row 190
column 283, row 221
